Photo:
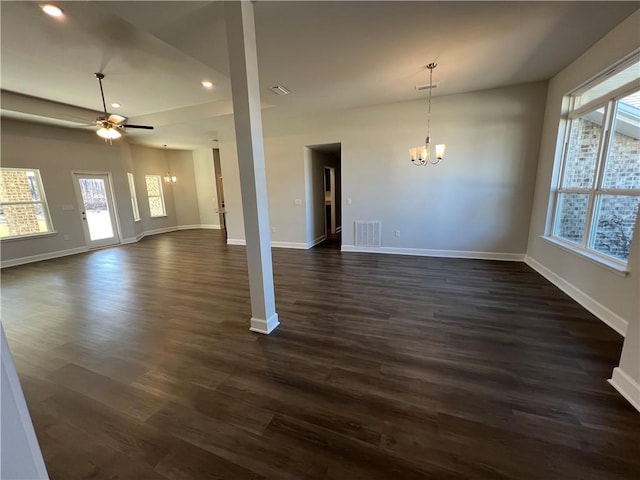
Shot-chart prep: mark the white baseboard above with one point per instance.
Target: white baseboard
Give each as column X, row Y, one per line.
column 316, row 241
column 627, row 386
column 427, row 252
column 236, row 241
column 125, row 241
column 157, row 231
column 259, row 325
column 612, row 319
column 135, row 239
column 296, row 245
column 43, row 256
column 198, row 227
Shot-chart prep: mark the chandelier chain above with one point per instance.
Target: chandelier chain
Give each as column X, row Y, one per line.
column 429, row 109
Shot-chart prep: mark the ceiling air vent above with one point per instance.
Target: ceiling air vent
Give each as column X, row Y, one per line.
column 427, row 86
column 279, row 90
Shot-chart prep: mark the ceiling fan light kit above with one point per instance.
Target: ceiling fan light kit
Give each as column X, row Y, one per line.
column 421, row 156
column 52, row 10
column 108, row 133
column 111, row 126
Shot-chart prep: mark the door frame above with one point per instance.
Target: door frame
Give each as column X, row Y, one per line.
column 80, row 204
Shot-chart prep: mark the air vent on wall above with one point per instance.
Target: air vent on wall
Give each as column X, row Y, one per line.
column 368, row 233
column 279, row 90
column 426, row 86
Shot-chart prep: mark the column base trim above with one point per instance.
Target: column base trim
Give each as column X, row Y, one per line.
column 626, row 386
column 265, row 327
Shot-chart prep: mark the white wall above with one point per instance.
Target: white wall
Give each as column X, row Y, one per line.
column 477, row 200
column 613, row 297
column 604, row 286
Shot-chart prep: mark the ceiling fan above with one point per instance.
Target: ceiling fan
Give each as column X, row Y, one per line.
column 111, row 126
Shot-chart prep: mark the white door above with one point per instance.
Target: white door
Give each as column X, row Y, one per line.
column 97, row 211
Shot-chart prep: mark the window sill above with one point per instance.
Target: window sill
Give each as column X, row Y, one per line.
column 28, row 237
column 610, row 265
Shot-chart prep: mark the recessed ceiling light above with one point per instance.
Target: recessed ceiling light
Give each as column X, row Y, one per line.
column 207, row 84
column 52, row 10
column 116, row 105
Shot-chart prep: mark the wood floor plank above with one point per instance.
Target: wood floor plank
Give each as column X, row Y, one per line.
column 137, row 362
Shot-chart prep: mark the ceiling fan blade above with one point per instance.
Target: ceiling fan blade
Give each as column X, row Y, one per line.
column 117, row 119
column 144, row 127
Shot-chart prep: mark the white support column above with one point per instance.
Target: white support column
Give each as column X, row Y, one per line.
column 20, row 455
column 243, row 63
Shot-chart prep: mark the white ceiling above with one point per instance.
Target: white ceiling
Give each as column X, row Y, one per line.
column 329, row 54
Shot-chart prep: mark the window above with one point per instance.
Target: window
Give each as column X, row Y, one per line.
column 597, row 200
column 134, row 198
column 23, row 207
column 156, row 197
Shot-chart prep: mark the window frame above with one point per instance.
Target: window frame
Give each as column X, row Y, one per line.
column 595, row 192
column 134, row 197
column 158, row 178
column 42, row 201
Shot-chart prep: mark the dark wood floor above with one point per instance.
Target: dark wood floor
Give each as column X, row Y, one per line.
column 137, row 363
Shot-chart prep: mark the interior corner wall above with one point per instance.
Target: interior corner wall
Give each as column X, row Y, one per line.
column 601, row 288
column 153, row 161
column 130, row 228
column 477, row 200
column 185, row 193
column 206, row 189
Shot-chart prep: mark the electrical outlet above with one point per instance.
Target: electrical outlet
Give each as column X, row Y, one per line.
column 349, row 200
column 297, row 201
column 397, row 233
column 65, row 236
column 273, row 229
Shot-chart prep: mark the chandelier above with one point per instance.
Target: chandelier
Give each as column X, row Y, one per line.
column 421, row 156
column 168, row 178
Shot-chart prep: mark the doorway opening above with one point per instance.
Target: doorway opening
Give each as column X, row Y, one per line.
column 326, row 194
column 95, row 199
column 217, row 171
